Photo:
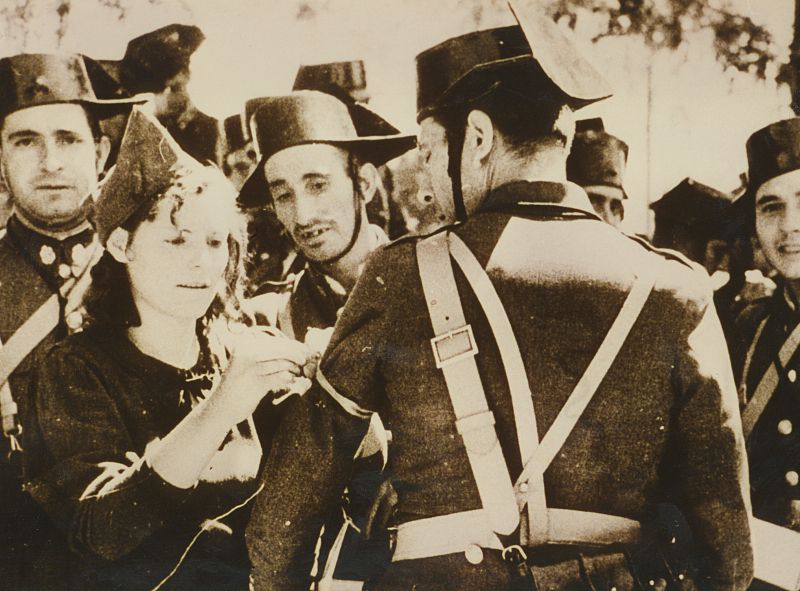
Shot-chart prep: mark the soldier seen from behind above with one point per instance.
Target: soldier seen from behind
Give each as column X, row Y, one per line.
column 551, row 385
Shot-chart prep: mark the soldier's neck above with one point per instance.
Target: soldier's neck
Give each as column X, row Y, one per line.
column 544, row 165
column 57, row 234
column 549, row 164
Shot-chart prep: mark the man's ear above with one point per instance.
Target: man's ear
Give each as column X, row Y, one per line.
column 479, row 134
column 368, row 180
column 102, row 150
column 117, row 245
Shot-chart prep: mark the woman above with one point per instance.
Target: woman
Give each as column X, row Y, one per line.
column 146, row 415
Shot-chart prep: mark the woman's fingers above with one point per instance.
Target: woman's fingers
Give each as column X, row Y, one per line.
column 262, row 346
column 274, row 366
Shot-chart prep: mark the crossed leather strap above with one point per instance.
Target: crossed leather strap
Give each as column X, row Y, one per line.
column 505, row 505
column 34, row 330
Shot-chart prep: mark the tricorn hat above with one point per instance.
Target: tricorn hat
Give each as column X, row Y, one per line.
column 691, row 203
column 311, row 117
column 30, row 80
column 234, row 132
column 155, row 57
column 337, row 78
column 772, row 151
column 463, row 68
column 146, row 165
column 597, row 158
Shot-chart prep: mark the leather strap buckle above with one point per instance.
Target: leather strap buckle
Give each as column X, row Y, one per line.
column 515, row 555
column 454, row 346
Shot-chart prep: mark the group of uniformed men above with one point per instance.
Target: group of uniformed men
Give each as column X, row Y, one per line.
column 531, row 398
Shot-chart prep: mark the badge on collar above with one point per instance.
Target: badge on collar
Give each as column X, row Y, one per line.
column 47, row 255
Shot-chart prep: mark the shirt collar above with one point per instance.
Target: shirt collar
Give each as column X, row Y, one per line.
column 566, row 195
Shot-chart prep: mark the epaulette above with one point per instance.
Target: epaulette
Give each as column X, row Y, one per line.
column 667, row 253
column 416, row 237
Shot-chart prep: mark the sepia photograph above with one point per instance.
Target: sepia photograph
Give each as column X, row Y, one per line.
column 394, row 295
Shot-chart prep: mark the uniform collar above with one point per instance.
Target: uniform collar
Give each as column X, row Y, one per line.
column 565, row 196
column 52, row 258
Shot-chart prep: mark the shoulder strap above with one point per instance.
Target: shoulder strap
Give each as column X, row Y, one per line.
column 34, row 330
column 454, row 351
column 769, row 381
column 591, row 379
column 534, row 526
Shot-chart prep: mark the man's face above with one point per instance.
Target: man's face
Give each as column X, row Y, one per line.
column 314, row 198
column 239, row 164
column 778, row 223
column 432, row 145
column 610, row 209
column 50, row 163
column 174, row 99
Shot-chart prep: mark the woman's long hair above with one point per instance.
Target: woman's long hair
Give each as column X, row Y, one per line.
column 109, row 302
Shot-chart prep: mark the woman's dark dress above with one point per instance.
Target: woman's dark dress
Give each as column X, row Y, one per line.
column 97, row 399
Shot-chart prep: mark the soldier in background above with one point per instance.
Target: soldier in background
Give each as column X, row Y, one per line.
column 159, row 62
column 51, row 153
column 526, row 452
column 690, row 218
column 597, row 163
column 769, row 386
column 238, row 156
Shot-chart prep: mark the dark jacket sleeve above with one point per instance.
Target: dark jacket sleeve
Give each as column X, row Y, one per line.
column 708, row 465
column 312, row 455
column 106, row 498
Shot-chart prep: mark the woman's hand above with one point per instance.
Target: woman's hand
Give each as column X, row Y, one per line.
column 261, row 362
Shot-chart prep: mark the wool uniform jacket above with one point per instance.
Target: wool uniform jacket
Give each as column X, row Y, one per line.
column 774, row 442
column 32, row 555
column 662, row 429
column 311, row 300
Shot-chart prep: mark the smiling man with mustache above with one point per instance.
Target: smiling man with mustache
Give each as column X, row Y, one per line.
column 51, row 153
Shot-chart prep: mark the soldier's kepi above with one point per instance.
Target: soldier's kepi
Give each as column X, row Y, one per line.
column 51, row 152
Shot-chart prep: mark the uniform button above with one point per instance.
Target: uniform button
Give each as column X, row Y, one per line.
column 47, row 255
column 64, row 271
column 523, row 487
column 792, row 375
column 474, row 554
column 785, row 427
column 792, row 478
column 74, row 320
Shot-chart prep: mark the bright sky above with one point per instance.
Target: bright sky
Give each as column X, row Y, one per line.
column 700, row 117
